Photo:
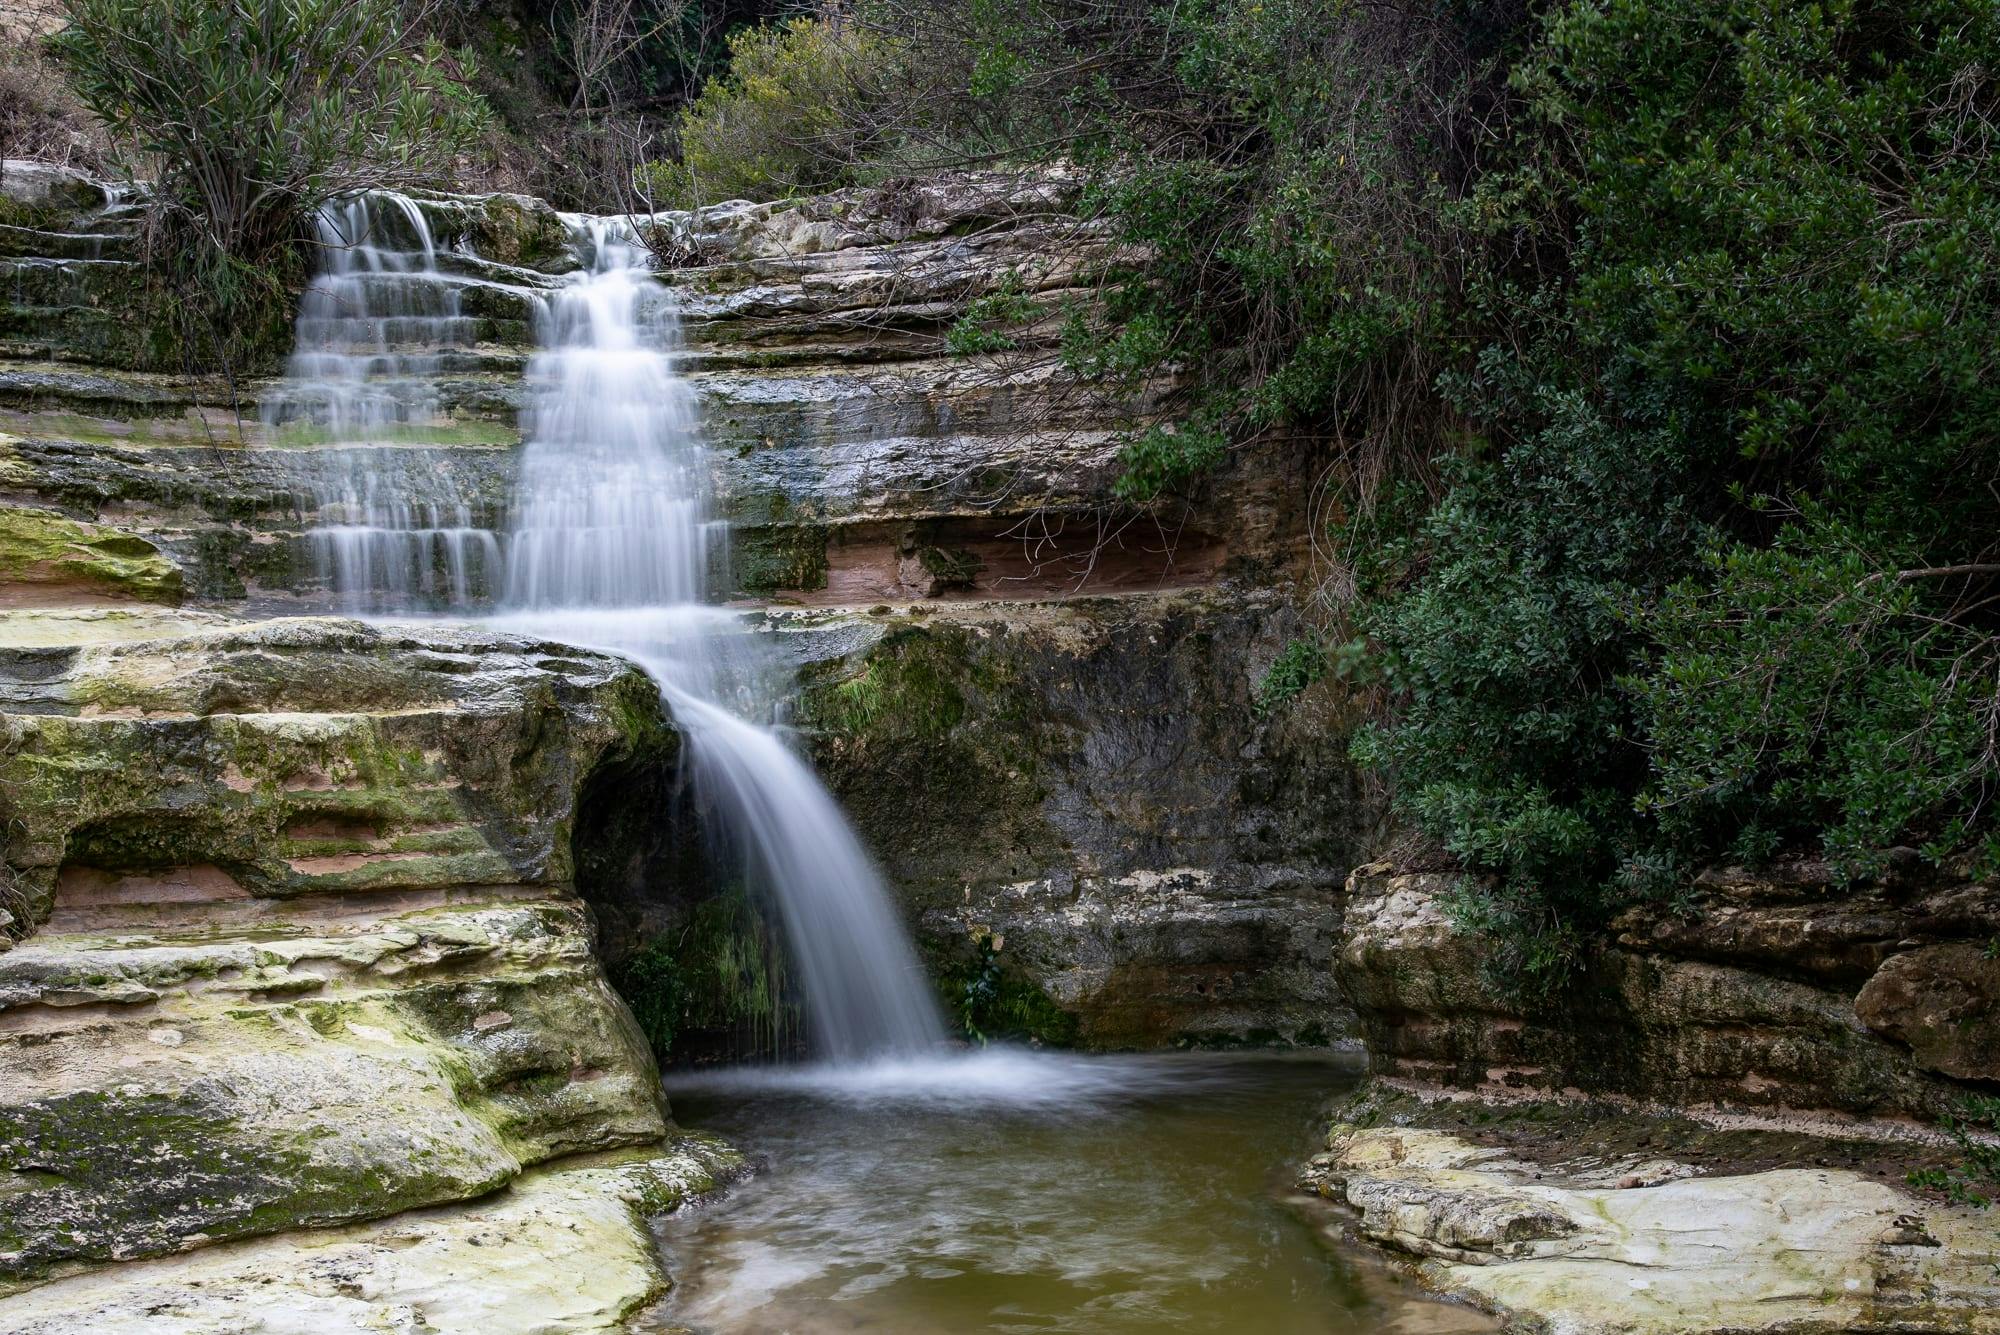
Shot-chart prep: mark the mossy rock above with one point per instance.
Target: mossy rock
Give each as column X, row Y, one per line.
column 41, row 547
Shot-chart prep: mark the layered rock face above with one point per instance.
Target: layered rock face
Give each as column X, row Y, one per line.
column 301, row 946
column 856, row 460
column 1041, row 778
column 1192, row 896
column 1775, row 990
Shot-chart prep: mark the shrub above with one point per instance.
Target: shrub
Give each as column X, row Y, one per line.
column 1776, row 224
column 790, row 115
column 255, row 111
column 1814, row 692
column 1512, row 741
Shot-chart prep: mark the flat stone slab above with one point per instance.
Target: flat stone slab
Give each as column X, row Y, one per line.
column 565, row 1248
column 1645, row 1248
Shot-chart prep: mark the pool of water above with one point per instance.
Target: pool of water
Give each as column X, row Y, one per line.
column 1011, row 1191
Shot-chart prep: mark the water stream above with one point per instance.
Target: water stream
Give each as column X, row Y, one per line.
column 610, row 544
column 908, row 1189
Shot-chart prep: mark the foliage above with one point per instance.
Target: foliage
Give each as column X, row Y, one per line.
column 791, row 114
column 258, row 110
column 1512, row 740
column 980, row 328
column 1970, row 1181
column 651, row 983
column 1756, row 614
column 253, row 113
column 1809, row 691
column 1298, row 665
column 992, row 1003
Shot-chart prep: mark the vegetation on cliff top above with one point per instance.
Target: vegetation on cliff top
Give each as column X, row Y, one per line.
column 250, row 115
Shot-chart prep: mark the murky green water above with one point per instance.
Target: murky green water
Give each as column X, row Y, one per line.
column 1019, row 1192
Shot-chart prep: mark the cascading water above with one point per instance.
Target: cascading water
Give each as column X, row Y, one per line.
column 611, row 545
column 375, row 327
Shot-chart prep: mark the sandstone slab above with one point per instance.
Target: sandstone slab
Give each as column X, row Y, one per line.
column 1804, row 1251
column 564, row 1248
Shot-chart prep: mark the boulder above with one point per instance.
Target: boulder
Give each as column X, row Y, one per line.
column 1944, row 1003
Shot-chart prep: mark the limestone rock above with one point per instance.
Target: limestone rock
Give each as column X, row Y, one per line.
column 1757, row 1011
column 1031, row 771
column 1804, row 1251
column 1944, row 1002
column 563, row 1248
column 279, row 877
column 162, row 1092
column 46, row 558
column 301, row 757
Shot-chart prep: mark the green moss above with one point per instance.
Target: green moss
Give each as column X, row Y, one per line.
column 43, row 547
column 116, row 1175
column 910, row 685
column 723, row 971
column 780, row 556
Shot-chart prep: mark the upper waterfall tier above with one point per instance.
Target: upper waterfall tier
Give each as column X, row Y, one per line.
column 854, row 458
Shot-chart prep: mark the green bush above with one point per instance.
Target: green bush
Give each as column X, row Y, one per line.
column 257, row 110
column 1759, row 616
column 1978, row 1173
column 1511, row 740
column 791, row 115
column 1810, row 693
column 252, row 113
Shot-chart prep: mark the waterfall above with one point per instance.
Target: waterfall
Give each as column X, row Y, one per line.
column 611, row 544
column 374, row 329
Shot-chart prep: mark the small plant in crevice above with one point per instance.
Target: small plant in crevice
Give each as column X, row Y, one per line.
column 1975, row 1180
column 982, row 327
column 1298, row 665
column 980, row 991
column 992, row 1003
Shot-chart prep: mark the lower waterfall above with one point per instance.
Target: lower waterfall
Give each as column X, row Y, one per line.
column 609, row 544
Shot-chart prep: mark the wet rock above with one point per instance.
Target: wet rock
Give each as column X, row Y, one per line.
column 1032, row 773
column 49, row 559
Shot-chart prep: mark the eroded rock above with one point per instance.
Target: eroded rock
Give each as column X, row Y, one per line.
column 280, row 879
column 564, row 1248
column 1753, row 999
column 1806, row 1251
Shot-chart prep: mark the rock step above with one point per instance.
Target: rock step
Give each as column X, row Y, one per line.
column 267, row 952
column 152, row 1082
column 501, row 1266
column 39, row 243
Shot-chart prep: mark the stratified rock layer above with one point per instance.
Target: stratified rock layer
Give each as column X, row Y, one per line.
column 306, row 950
column 1780, row 990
